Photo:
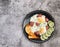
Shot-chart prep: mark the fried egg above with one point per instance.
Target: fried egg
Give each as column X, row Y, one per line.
column 42, row 27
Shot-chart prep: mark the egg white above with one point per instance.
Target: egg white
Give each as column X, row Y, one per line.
column 34, row 18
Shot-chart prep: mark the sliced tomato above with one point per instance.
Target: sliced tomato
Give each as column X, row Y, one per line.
column 37, row 33
column 31, row 23
column 39, row 15
column 37, row 24
column 47, row 27
column 46, row 19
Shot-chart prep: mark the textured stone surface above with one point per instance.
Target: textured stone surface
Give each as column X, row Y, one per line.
column 12, row 13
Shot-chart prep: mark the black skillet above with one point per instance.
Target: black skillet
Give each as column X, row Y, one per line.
column 26, row 21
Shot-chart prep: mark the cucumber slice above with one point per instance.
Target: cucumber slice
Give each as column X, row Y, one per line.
column 47, row 35
column 52, row 29
column 42, row 38
column 51, row 24
column 49, row 31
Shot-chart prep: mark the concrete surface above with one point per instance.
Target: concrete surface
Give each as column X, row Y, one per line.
column 12, row 13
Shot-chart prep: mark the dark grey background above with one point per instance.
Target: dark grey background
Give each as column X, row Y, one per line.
column 12, row 13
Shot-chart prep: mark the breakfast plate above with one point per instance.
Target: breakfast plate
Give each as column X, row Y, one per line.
column 38, row 26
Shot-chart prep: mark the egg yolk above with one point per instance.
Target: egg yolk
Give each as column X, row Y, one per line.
column 42, row 31
column 41, row 19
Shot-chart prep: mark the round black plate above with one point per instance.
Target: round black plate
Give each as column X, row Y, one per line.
column 26, row 21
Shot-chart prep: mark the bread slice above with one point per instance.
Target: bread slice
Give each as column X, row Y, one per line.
column 33, row 37
column 28, row 29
